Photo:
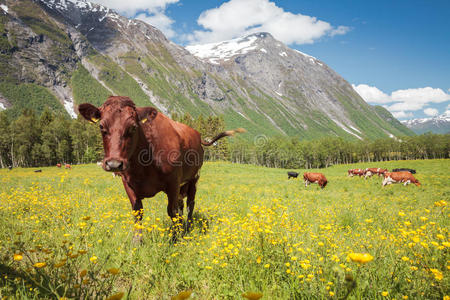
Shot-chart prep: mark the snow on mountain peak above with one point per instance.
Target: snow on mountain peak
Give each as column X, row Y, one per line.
column 214, row 52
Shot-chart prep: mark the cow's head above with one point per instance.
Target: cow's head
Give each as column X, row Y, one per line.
column 120, row 124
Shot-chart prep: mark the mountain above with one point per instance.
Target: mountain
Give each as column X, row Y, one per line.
column 59, row 53
column 439, row 124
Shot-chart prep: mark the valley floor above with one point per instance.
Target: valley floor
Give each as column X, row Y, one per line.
column 68, row 233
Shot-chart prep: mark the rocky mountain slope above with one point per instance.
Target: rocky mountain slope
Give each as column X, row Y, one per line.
column 71, row 51
column 439, row 124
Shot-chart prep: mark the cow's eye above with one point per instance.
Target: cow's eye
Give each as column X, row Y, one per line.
column 101, row 127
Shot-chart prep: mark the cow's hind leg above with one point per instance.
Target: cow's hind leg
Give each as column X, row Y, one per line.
column 192, row 190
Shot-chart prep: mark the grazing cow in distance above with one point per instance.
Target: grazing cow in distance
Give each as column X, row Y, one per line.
column 151, row 152
column 369, row 172
column 67, row 166
column 412, row 171
column 404, row 177
column 318, row 178
column 10, row 167
column 292, row 174
column 58, row 165
column 353, row 172
column 38, row 171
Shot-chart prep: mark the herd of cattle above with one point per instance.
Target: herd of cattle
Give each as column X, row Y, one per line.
column 402, row 175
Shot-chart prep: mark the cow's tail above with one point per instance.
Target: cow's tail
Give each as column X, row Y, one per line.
column 222, row 135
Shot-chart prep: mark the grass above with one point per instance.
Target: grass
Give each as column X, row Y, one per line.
column 255, row 231
column 31, row 96
column 86, row 88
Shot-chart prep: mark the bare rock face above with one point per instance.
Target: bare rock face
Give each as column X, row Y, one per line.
column 208, row 89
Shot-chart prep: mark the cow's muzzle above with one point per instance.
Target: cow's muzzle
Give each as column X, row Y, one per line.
column 114, row 165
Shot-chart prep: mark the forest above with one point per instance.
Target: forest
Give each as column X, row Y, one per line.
column 33, row 140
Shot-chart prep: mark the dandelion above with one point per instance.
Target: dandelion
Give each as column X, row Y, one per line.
column 437, row 274
column 384, row 294
column 93, row 259
column 331, row 294
column 258, row 259
column 267, row 266
column 113, row 271
column 18, row 257
column 252, row 295
column 404, row 258
column 40, row 265
column 117, row 296
column 361, row 258
column 60, row 264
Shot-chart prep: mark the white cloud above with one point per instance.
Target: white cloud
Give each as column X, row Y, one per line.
column 236, row 18
column 431, row 112
column 402, row 100
column 402, row 114
column 150, row 11
column 371, row 94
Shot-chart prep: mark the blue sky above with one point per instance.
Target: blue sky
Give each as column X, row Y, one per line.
column 395, row 53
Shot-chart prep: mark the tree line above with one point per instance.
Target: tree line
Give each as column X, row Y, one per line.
column 32, row 140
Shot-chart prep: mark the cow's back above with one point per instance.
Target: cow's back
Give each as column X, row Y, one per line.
column 174, row 145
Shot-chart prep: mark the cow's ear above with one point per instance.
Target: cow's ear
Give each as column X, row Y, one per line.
column 89, row 112
column 146, row 114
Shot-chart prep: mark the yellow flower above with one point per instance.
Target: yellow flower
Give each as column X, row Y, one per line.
column 113, row 271
column 60, row 264
column 446, row 244
column 117, row 296
column 266, row 266
column 437, row 274
column 361, row 258
column 182, row 295
column 385, row 294
column 252, row 296
column 93, row 259
column 404, row 258
column 18, row 257
column 40, row 265
column 331, row 294
column 258, row 259
column 294, row 258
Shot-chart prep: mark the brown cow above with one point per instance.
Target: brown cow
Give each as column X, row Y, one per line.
column 369, row 172
column 58, row 165
column 67, row 166
column 404, row 177
column 151, row 152
column 315, row 178
column 353, row 172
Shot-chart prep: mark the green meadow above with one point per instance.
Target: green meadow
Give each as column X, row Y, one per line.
column 68, row 234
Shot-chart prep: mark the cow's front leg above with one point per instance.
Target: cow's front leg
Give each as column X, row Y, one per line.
column 173, row 195
column 138, row 211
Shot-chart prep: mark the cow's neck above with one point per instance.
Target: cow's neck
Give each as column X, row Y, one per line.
column 142, row 155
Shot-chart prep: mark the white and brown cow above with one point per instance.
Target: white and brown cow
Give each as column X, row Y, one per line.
column 369, row 172
column 399, row 177
column 318, row 178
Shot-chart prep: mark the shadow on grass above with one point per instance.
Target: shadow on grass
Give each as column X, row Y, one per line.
column 9, row 282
